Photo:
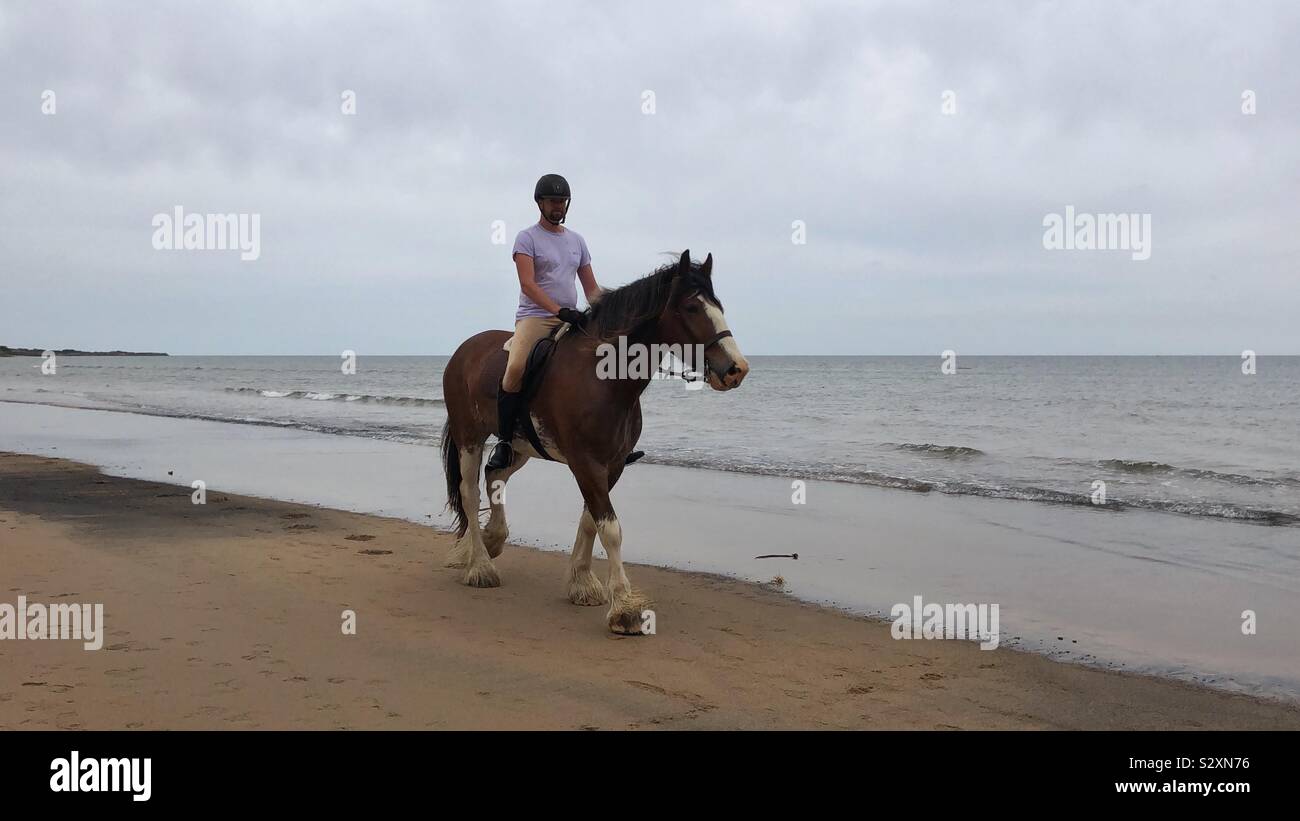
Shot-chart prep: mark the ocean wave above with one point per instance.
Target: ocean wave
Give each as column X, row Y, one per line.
column 1148, row 468
column 321, row 396
column 1026, row 493
column 828, row 473
column 388, row 433
column 951, row 451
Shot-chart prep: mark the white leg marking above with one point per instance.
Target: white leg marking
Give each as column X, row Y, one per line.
column 583, row 586
column 479, row 570
column 625, row 605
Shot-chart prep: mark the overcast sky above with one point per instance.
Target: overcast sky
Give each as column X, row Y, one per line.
column 924, row 229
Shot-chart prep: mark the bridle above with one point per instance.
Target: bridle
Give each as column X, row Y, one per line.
column 718, row 337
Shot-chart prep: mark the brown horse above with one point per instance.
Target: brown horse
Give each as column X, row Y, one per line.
column 583, row 417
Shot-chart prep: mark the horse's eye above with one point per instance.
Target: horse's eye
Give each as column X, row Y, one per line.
column 693, row 308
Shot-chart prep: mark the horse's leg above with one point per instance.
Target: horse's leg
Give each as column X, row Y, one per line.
column 583, row 586
column 460, row 552
column 496, row 532
column 479, row 570
column 625, row 604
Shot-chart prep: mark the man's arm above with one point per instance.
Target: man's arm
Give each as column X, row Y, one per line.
column 589, row 286
column 527, row 282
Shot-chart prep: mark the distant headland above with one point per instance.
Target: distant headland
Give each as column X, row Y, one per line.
column 5, row 350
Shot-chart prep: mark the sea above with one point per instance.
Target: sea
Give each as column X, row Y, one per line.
column 1193, row 436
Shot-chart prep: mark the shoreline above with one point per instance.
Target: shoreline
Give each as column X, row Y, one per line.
column 226, row 615
column 1220, row 511
column 1142, row 592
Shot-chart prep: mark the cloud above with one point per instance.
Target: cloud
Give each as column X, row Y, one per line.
column 924, row 230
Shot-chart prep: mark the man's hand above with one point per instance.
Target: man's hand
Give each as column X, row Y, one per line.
column 572, row 316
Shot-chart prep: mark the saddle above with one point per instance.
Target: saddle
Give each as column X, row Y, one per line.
column 534, row 371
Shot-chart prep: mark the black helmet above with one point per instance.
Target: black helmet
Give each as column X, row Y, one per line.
column 551, row 185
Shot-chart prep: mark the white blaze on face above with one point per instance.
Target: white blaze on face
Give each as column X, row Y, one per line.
column 728, row 344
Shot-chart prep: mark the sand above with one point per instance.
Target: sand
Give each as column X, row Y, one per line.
column 228, row 616
column 1137, row 591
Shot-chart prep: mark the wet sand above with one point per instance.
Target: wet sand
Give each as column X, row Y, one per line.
column 228, row 615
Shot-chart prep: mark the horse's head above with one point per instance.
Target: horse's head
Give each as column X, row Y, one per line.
column 693, row 316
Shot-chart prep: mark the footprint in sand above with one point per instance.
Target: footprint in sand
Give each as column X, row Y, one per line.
column 359, row 537
column 296, row 516
column 373, row 552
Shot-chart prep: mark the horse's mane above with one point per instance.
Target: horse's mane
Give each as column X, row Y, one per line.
column 624, row 310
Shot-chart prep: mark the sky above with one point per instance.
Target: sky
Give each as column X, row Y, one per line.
column 871, row 178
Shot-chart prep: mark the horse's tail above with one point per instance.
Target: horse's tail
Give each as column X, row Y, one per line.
column 451, row 467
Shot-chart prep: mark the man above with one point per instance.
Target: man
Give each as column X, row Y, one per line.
column 547, row 257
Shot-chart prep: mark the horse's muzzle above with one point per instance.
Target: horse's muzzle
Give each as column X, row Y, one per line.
column 728, row 377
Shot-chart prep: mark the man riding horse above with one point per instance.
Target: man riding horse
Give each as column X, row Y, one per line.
column 576, row 414
column 547, row 257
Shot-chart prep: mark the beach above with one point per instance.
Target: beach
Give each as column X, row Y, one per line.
column 228, row 614
column 1130, row 590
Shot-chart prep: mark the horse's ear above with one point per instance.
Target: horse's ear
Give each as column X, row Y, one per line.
column 707, row 267
column 684, row 265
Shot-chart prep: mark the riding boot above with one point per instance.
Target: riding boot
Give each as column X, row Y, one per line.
column 507, row 409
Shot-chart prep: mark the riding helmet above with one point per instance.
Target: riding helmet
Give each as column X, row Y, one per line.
column 551, row 185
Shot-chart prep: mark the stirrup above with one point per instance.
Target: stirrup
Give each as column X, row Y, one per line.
column 502, row 457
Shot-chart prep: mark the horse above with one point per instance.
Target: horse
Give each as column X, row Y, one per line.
column 583, row 417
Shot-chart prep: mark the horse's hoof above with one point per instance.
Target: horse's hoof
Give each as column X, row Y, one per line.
column 586, row 590
column 625, row 617
column 481, row 575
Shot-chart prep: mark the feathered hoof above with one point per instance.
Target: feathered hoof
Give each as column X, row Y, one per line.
column 625, row 617
column 458, row 556
column 481, row 575
column 586, row 590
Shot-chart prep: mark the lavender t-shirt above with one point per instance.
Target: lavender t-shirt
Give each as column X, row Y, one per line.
column 556, row 260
